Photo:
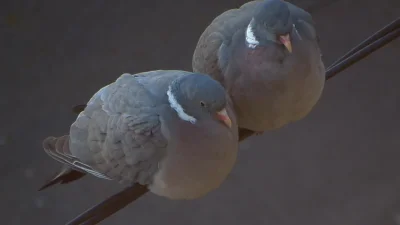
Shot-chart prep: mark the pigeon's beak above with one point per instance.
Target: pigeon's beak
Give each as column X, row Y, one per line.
column 223, row 116
column 285, row 40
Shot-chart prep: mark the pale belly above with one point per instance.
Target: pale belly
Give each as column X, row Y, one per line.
column 272, row 104
column 195, row 181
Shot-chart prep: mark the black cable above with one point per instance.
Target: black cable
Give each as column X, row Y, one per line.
column 359, row 55
column 376, row 36
column 109, row 206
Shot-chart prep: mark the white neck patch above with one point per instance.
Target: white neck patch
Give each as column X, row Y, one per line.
column 178, row 108
column 251, row 39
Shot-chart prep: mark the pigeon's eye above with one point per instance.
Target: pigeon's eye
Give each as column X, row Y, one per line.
column 202, row 104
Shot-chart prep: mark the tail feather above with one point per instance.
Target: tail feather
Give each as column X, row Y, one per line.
column 73, row 169
column 58, row 149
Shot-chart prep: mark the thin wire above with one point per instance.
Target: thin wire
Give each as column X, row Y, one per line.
column 109, row 206
column 359, row 55
column 376, row 36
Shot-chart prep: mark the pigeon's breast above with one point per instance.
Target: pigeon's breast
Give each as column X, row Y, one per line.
column 199, row 158
column 273, row 87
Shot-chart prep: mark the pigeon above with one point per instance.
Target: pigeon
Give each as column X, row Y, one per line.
column 266, row 54
column 173, row 133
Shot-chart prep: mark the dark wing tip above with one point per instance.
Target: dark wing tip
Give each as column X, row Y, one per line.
column 78, row 108
column 48, row 184
column 63, row 177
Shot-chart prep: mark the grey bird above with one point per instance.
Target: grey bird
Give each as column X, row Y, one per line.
column 266, row 55
column 171, row 132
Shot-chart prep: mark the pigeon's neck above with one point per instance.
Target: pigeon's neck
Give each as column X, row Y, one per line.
column 252, row 37
column 175, row 105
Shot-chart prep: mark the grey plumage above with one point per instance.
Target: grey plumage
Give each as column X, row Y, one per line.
column 266, row 55
column 129, row 133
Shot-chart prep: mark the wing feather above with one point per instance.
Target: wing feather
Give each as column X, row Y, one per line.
column 117, row 136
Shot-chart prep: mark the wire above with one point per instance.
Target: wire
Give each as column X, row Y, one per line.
column 359, row 55
column 376, row 36
column 109, row 206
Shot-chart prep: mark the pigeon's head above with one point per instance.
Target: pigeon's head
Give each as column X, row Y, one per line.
column 272, row 22
column 198, row 97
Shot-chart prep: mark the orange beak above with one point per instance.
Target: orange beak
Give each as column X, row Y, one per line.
column 223, row 116
column 285, row 40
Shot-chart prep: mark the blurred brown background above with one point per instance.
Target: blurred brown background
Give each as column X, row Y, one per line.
column 337, row 166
